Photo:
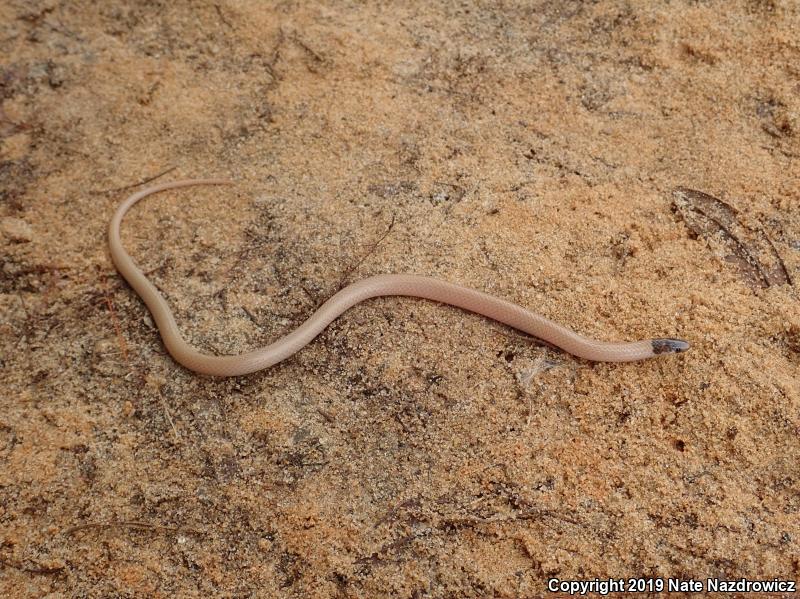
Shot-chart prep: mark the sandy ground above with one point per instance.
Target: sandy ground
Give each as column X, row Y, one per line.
column 532, row 150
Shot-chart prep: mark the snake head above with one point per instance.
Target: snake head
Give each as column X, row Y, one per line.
column 669, row 346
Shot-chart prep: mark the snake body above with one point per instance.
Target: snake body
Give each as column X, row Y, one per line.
column 380, row 285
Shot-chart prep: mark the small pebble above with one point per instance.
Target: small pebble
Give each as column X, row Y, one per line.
column 16, row 229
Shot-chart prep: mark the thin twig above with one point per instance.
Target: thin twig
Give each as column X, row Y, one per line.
column 222, row 16
column 36, row 570
column 367, row 254
column 132, row 185
column 130, row 524
column 117, row 328
column 169, row 419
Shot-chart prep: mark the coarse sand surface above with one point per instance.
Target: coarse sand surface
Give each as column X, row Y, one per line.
column 628, row 169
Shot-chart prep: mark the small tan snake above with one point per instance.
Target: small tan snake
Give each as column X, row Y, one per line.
column 380, row 285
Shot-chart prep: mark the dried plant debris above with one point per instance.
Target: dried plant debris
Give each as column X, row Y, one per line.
column 750, row 250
